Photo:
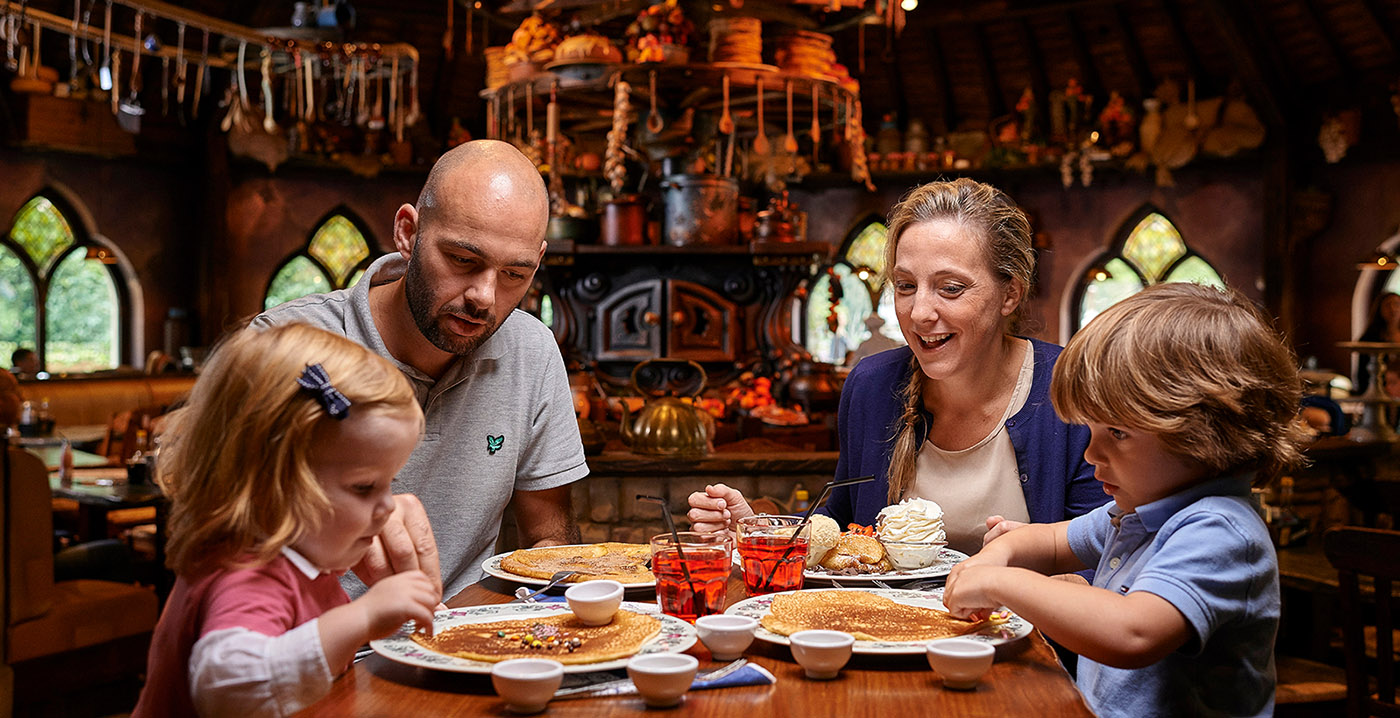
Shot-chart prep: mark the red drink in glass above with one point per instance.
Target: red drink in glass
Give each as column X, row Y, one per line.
column 773, row 559
column 696, row 585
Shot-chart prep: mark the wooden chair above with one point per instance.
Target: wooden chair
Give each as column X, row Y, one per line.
column 1374, row 553
column 59, row 637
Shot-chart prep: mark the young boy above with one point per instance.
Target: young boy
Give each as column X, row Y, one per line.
column 1189, row 397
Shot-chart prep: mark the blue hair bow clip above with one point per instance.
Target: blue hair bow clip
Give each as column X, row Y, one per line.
column 315, row 381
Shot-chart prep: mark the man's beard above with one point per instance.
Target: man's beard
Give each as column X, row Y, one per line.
column 420, row 305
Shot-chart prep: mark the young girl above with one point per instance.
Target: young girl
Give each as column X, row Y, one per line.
column 278, row 473
column 1189, row 396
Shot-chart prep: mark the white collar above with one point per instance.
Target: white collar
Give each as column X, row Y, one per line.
column 302, row 563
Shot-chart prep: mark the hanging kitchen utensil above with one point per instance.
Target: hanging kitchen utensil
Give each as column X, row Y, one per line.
column 816, row 124
column 469, row 32
column 726, row 122
column 790, row 141
column 310, row 108
column 182, row 67
column 530, row 111
column 200, row 77
column 104, row 76
column 654, row 121
column 131, row 110
column 265, row 67
column 362, row 117
column 115, row 72
column 73, row 46
column 850, row 127
column 1192, row 120
column 760, row 141
column 557, row 201
column 415, row 112
column 165, row 86
column 512, row 127
column 14, row 21
column 447, row 36
column 394, row 99
column 376, row 116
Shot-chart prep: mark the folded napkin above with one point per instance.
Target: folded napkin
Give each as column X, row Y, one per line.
column 750, row 675
column 615, row 683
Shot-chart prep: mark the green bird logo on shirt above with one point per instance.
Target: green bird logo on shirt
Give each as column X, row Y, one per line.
column 494, row 443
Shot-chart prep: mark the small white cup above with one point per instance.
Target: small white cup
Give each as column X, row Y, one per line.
column 820, row 652
column 961, row 661
column 527, row 684
column 594, row 602
column 662, row 678
column 727, row 637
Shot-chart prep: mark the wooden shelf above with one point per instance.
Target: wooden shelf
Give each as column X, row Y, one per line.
column 643, row 250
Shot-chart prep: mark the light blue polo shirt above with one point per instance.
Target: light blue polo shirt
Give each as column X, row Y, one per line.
column 1208, row 553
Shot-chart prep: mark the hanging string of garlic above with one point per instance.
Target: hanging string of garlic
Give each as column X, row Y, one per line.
column 614, row 165
column 860, row 168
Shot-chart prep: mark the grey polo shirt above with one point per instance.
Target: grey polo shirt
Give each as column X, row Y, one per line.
column 498, row 421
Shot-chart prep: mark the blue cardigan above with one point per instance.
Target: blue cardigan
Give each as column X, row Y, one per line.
column 1059, row 484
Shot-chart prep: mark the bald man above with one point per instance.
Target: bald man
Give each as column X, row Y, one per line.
column 490, row 378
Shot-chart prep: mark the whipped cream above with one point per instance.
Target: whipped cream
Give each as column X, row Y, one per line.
column 911, row 520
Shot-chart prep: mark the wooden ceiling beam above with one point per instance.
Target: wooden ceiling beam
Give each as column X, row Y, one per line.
column 1089, row 77
column 1194, row 68
column 1376, row 15
column 991, row 81
column 1250, row 55
column 945, row 82
column 1040, row 79
column 1137, row 62
column 1318, row 19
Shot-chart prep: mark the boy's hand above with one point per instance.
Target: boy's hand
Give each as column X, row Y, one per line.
column 717, row 508
column 970, row 589
column 998, row 525
column 391, row 601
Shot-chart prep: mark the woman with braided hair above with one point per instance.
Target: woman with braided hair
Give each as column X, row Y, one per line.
column 961, row 416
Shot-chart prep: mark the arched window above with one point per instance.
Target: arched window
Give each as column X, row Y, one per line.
column 334, row 258
column 857, row 273
column 1149, row 250
column 59, row 292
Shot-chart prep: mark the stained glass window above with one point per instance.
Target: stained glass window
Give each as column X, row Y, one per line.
column 858, row 271
column 334, row 258
column 1152, row 252
column 73, row 298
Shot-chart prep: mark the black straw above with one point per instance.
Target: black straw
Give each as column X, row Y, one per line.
column 675, row 536
column 807, row 518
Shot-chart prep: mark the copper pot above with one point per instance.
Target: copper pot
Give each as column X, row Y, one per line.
column 624, row 221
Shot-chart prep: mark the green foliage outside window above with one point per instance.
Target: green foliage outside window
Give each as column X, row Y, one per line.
column 81, row 310
column 18, row 307
column 331, row 260
column 1153, row 252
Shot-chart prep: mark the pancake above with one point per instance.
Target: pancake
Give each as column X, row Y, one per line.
column 866, row 616
column 621, row 562
column 864, row 554
column 501, row 640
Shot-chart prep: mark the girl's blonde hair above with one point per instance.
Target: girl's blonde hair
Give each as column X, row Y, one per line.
column 1004, row 233
column 236, row 461
column 1199, row 367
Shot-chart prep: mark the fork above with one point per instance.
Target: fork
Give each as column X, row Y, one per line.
column 609, row 687
column 524, row 595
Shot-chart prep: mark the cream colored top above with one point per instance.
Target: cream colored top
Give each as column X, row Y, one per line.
column 979, row 481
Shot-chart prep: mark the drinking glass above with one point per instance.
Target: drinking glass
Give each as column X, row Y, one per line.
column 692, row 576
column 773, row 557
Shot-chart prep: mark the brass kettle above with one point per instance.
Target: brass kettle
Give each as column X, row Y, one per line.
column 667, row 426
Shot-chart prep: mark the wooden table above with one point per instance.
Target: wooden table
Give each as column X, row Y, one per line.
column 1026, row 679
column 96, row 499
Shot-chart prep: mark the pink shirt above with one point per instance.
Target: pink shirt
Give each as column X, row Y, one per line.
column 269, row 600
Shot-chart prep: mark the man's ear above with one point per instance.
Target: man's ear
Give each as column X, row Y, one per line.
column 405, row 230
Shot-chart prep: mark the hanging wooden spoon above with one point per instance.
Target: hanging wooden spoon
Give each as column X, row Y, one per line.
column 265, row 68
column 816, row 123
column 654, row 121
column 199, row 77
column 1192, row 120
column 790, row 141
column 726, row 122
column 415, row 112
column 760, row 141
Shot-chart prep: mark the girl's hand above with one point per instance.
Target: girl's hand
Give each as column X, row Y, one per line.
column 405, row 543
column 717, row 509
column 970, row 589
column 407, row 596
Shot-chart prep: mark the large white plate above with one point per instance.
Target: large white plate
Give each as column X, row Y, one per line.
column 757, row 607
column 947, row 559
column 676, row 636
column 492, row 566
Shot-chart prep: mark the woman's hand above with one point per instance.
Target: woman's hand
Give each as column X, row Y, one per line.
column 717, row 508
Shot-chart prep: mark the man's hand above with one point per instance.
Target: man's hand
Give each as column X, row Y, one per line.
column 405, row 544
column 717, row 508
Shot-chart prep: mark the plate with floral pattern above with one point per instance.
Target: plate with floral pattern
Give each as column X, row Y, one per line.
column 1013, row 629
column 676, row 636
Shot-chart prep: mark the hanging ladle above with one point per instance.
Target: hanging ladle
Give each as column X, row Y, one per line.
column 790, row 141
column 654, row 121
column 760, row 141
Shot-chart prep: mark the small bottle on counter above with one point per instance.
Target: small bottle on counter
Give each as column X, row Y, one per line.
column 137, row 470
column 65, row 464
column 800, row 499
